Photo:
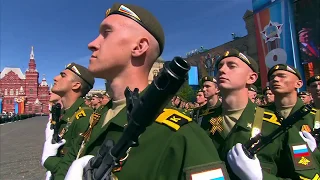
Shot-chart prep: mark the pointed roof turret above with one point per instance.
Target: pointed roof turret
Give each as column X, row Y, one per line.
column 44, row 81
column 32, row 53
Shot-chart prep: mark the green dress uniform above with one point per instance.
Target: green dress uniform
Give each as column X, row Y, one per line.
column 67, row 160
column 74, row 121
column 278, row 159
column 173, row 147
column 202, row 115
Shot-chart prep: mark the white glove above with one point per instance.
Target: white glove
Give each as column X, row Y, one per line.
column 49, row 132
column 309, row 139
column 76, row 169
column 48, row 175
column 242, row 166
column 50, row 149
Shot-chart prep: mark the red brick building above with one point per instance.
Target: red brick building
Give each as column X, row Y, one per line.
column 16, row 86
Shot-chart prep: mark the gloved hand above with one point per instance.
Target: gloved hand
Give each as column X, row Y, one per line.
column 49, row 132
column 309, row 139
column 50, row 149
column 242, row 166
column 48, row 175
column 76, row 169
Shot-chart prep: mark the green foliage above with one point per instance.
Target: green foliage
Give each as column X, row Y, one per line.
column 186, row 92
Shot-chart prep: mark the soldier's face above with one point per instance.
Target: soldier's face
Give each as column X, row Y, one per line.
column 252, row 95
column 305, row 98
column 282, row 82
column 210, row 89
column 269, row 96
column 315, row 90
column 234, row 74
column 200, row 98
column 63, row 82
column 95, row 101
column 111, row 50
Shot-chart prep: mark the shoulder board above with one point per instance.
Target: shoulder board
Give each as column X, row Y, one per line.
column 271, row 117
column 313, row 111
column 173, row 118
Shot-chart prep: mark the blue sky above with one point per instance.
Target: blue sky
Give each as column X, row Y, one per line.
column 60, row 30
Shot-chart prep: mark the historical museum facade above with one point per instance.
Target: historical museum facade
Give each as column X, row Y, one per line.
column 22, row 93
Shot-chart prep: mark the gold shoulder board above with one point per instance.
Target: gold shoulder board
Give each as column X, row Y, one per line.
column 271, row 117
column 173, row 118
column 313, row 111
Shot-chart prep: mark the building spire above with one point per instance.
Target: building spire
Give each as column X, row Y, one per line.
column 31, row 54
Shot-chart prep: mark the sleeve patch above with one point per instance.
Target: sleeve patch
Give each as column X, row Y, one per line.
column 270, row 117
column 214, row 171
column 301, row 157
column 173, row 118
column 80, row 114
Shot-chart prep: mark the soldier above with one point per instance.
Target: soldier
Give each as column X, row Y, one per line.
column 200, row 99
column 314, row 85
column 305, row 97
column 210, row 90
column 87, row 100
column 105, row 98
column 238, row 119
column 96, row 101
column 268, row 95
column 71, row 85
column 252, row 91
column 165, row 151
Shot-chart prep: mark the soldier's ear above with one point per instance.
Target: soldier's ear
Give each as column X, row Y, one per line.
column 298, row 84
column 141, row 46
column 252, row 78
column 76, row 86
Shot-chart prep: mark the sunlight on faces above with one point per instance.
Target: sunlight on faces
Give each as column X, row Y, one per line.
column 233, row 73
column 282, row 82
column 210, row 89
column 65, row 82
column 200, row 98
column 120, row 40
column 269, row 96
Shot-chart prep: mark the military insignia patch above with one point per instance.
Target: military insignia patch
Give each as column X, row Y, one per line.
column 301, row 156
column 108, row 12
column 173, row 119
column 271, row 117
column 80, row 114
column 305, row 128
column 212, row 171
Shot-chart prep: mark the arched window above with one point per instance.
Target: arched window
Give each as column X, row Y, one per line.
column 31, row 91
column 6, row 92
column 17, row 92
column 11, row 92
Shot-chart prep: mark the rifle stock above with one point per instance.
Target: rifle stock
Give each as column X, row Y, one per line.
column 257, row 143
column 141, row 113
column 56, row 113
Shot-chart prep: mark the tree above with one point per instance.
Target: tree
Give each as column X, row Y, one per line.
column 186, row 92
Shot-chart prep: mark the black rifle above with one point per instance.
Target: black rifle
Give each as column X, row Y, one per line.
column 141, row 112
column 316, row 134
column 255, row 144
column 56, row 113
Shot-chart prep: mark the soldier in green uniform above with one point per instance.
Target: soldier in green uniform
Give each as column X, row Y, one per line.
column 252, row 91
column 87, row 100
column 168, row 149
column 96, row 101
column 71, row 85
column 105, row 98
column 238, row 119
column 202, row 114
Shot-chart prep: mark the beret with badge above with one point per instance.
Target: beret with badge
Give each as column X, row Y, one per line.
column 245, row 58
column 88, row 97
column 208, row 78
column 97, row 95
column 313, row 79
column 283, row 67
column 143, row 17
column 82, row 72
column 303, row 93
column 253, row 88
